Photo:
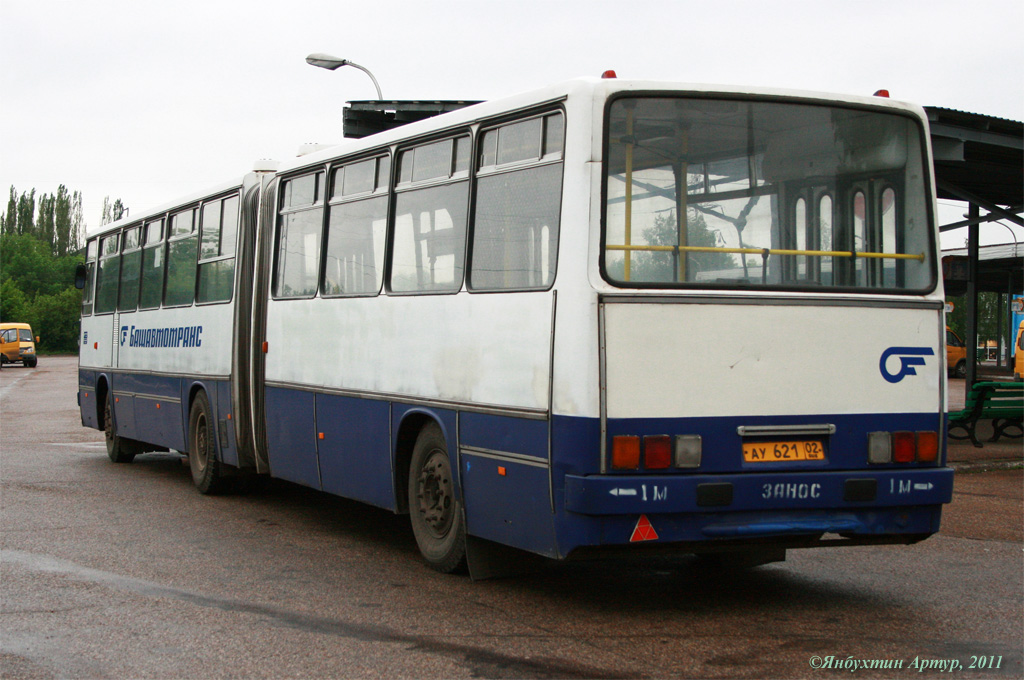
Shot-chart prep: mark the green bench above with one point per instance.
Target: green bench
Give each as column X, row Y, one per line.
column 1000, row 402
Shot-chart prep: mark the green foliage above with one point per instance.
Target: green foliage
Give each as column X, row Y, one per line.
column 31, row 264
column 39, row 238
column 662, row 266
column 56, row 320
column 14, row 304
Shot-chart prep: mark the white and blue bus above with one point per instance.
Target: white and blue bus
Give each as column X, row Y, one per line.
column 605, row 315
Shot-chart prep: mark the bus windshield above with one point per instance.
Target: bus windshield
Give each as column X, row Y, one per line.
column 742, row 193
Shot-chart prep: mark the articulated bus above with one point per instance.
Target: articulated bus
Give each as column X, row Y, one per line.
column 604, row 316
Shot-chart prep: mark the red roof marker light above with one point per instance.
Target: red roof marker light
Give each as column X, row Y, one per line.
column 609, row 74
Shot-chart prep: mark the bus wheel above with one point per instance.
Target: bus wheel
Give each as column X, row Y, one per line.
column 961, row 369
column 119, row 449
column 207, row 471
column 435, row 510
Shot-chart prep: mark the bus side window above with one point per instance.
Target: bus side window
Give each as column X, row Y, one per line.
column 429, row 242
column 217, row 250
column 300, row 227
column 356, row 228
column 90, row 268
column 108, row 274
column 152, row 283
column 182, row 247
column 131, row 263
column 518, row 197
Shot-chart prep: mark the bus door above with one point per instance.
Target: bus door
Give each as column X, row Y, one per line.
column 263, row 245
column 243, row 351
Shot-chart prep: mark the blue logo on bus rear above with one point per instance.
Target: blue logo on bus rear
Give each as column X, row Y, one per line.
column 909, row 358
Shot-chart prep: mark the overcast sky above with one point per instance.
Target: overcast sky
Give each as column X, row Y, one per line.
column 146, row 101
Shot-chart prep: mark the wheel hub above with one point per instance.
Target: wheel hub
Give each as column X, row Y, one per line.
column 435, row 494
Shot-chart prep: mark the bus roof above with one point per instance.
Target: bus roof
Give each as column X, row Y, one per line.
column 587, row 86
column 164, row 207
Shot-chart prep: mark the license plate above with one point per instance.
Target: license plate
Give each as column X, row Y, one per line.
column 781, row 452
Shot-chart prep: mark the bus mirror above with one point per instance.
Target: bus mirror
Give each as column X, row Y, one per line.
column 80, row 274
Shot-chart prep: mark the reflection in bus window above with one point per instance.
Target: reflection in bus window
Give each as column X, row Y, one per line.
column 90, row 269
column 355, row 247
column 217, row 250
column 515, row 233
column 298, row 240
column 516, row 215
column 356, row 229
column 131, row 262
column 152, row 284
column 703, row 192
column 107, row 275
column 181, row 260
column 430, row 239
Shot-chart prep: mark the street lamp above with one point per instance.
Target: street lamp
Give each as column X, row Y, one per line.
column 331, row 63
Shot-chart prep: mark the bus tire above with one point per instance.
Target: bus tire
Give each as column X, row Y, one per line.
column 434, row 508
column 119, row 449
column 207, row 470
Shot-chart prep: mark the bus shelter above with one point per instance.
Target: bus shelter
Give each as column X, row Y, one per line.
column 979, row 159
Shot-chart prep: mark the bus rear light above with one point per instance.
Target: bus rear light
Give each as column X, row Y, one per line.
column 903, row 446
column 879, row 448
column 657, row 452
column 687, row 450
column 625, row 452
column 927, row 447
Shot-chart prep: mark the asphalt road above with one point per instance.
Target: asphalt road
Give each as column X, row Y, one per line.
column 125, row 571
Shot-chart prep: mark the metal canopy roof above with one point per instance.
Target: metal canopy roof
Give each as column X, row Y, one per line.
column 979, row 159
column 1000, row 269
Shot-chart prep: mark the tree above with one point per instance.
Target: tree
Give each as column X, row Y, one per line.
column 662, row 266
column 9, row 222
column 39, row 240
column 112, row 211
column 45, row 220
column 77, row 231
column 26, row 212
column 14, row 305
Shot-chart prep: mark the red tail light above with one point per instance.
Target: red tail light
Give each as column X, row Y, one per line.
column 903, row 446
column 657, row 452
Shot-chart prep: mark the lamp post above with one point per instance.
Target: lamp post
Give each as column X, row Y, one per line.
column 331, row 63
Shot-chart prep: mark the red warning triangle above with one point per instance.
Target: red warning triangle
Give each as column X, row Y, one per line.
column 643, row 531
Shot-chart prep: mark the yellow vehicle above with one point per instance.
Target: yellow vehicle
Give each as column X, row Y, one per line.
column 956, row 355
column 1018, row 354
column 17, row 344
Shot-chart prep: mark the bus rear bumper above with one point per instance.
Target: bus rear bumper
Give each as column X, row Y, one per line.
column 622, row 494
column 860, row 506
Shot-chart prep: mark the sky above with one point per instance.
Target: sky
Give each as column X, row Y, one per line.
column 148, row 101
